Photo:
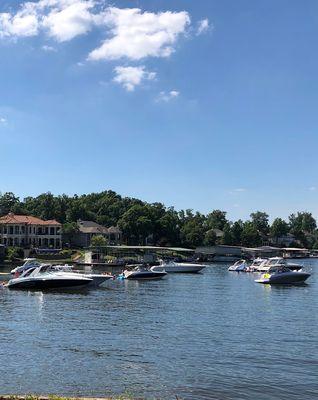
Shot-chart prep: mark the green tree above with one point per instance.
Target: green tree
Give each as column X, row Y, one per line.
column 260, row 221
column 227, row 237
column 302, row 226
column 250, row 235
column 216, row 220
column 8, row 203
column 192, row 233
column 236, row 231
column 169, row 228
column 98, row 241
column 136, row 224
column 210, row 238
column 279, row 228
column 69, row 229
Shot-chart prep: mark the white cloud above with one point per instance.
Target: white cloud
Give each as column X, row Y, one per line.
column 3, row 120
column 137, row 34
column 167, row 96
column 237, row 190
column 48, row 48
column 69, row 20
column 61, row 19
column 129, row 32
column 312, row 188
column 203, row 26
column 133, row 34
column 130, row 77
column 24, row 23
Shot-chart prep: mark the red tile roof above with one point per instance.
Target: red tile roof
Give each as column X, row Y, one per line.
column 26, row 219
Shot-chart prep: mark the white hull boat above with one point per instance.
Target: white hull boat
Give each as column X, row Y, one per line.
column 178, row 267
column 42, row 278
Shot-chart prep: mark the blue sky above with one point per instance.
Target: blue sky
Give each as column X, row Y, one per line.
column 197, row 104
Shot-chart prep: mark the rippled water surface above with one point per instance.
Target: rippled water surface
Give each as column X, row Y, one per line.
column 215, row 335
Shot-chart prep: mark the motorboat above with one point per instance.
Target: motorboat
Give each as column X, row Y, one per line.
column 177, row 267
column 239, row 266
column 282, row 275
column 28, row 263
column 143, row 273
column 278, row 262
column 256, row 264
column 44, row 277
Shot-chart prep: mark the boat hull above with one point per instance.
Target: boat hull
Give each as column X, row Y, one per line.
column 292, row 278
column 145, row 276
column 183, row 269
column 45, row 284
column 98, row 279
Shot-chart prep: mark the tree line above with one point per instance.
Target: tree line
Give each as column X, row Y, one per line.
column 144, row 223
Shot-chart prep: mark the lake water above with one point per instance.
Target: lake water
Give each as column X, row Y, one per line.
column 214, row 335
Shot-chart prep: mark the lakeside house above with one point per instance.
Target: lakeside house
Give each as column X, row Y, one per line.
column 88, row 229
column 27, row 231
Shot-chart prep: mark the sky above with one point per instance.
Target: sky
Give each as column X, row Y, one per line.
column 197, row 104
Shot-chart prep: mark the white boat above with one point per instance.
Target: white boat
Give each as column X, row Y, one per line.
column 43, row 277
column 239, row 266
column 282, row 275
column 278, row 262
column 143, row 273
column 177, row 267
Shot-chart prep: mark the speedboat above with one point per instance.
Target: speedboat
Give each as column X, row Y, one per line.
column 143, row 273
column 239, row 266
column 282, row 275
column 28, row 263
column 278, row 262
column 43, row 277
column 177, row 267
column 256, row 264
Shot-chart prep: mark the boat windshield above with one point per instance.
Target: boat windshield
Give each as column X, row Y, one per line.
column 44, row 268
column 28, row 272
column 275, row 261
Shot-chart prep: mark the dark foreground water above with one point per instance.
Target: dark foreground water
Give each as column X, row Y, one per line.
column 215, row 335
